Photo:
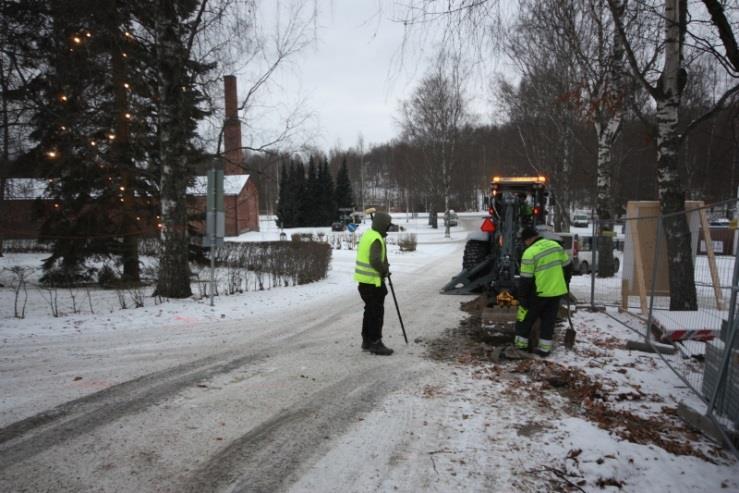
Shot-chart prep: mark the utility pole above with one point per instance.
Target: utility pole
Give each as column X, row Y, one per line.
column 361, row 172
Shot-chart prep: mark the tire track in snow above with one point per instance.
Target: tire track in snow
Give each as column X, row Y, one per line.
column 270, row 456
column 30, row 436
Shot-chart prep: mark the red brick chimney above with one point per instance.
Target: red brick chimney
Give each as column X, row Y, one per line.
column 233, row 155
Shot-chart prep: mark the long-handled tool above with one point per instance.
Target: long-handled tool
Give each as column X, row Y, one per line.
column 570, row 332
column 392, row 290
column 371, row 211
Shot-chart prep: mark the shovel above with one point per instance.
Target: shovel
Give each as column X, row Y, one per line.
column 570, row 332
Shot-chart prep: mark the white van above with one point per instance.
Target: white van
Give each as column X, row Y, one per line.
column 580, row 220
column 583, row 253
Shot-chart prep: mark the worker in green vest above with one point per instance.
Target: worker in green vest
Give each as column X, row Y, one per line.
column 545, row 277
column 370, row 272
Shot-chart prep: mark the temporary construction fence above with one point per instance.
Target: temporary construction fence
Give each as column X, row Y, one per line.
column 692, row 323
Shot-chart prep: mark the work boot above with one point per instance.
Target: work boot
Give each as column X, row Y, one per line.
column 380, row 349
column 366, row 344
column 541, row 352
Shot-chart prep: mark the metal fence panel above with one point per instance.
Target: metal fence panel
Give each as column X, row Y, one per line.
column 639, row 296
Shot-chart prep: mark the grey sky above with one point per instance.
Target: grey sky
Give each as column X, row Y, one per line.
column 346, row 74
column 350, row 77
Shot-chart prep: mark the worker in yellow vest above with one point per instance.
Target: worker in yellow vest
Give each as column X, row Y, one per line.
column 370, row 272
column 545, row 277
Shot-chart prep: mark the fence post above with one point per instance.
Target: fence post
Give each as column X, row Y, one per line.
column 593, row 259
column 648, row 335
column 732, row 322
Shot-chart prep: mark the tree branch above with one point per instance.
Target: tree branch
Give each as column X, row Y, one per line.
column 630, row 52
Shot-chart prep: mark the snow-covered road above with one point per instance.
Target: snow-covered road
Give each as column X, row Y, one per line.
column 269, row 391
column 248, row 403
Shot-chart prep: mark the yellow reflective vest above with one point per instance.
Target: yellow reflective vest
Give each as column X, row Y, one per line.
column 363, row 271
column 544, row 260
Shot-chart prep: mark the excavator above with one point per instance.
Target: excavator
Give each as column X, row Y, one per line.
column 491, row 260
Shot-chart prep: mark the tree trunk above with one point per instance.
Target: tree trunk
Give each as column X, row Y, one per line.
column 121, row 159
column 174, row 268
column 6, row 144
column 671, row 192
column 607, row 134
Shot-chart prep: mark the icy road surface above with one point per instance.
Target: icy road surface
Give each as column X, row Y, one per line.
column 269, row 391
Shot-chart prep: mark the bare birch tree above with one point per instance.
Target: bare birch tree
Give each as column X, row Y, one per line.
column 584, row 30
column 433, row 118
column 665, row 86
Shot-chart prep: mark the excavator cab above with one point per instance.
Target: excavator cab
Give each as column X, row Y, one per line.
column 492, row 256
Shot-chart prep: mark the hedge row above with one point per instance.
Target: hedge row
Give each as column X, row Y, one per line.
column 286, row 262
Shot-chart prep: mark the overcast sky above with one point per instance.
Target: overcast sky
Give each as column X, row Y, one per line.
column 350, row 75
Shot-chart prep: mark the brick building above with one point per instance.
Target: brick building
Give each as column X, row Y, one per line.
column 24, row 198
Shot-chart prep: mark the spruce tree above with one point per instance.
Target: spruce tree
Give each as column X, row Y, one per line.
column 300, row 195
column 344, row 195
column 311, row 202
column 90, row 126
column 283, row 205
column 327, row 204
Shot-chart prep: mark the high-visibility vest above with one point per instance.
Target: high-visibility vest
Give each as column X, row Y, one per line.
column 543, row 260
column 363, row 271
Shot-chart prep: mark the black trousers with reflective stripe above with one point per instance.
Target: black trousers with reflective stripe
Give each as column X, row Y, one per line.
column 374, row 310
column 544, row 308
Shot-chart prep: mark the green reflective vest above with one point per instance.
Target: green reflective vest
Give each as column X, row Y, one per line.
column 543, row 260
column 363, row 271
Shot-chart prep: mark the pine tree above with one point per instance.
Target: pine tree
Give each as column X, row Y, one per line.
column 344, row 195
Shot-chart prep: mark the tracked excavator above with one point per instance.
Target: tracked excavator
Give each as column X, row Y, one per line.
column 492, row 256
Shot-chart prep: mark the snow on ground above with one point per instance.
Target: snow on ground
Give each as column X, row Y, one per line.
column 599, row 418
column 97, row 309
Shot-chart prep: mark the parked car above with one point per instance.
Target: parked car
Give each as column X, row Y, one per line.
column 721, row 222
column 580, row 220
column 567, row 240
column 583, row 254
column 451, row 218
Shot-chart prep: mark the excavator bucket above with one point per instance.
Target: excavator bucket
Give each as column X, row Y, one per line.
column 472, row 280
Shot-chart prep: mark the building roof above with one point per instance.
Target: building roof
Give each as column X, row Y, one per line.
column 35, row 188
column 232, row 185
column 25, row 188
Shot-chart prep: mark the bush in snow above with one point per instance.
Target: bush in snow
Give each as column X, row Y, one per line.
column 277, row 262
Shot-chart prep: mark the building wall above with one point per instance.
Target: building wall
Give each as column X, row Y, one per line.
column 18, row 221
column 248, row 208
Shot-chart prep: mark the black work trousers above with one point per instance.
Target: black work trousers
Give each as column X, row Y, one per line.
column 546, row 310
column 374, row 310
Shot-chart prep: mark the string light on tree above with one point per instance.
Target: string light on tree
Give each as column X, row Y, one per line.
column 52, row 154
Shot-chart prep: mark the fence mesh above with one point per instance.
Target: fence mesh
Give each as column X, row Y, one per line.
column 688, row 315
